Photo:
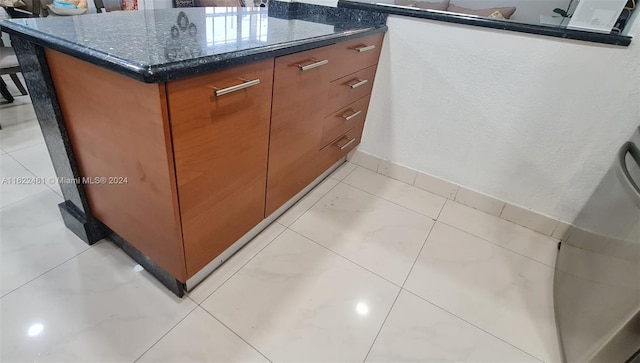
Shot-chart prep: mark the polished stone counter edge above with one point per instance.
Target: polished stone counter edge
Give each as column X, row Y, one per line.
column 613, row 39
column 181, row 69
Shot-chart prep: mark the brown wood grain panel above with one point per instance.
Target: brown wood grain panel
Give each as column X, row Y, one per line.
column 350, row 59
column 299, row 103
column 342, row 121
column 119, row 128
column 221, row 146
column 340, row 147
column 341, row 93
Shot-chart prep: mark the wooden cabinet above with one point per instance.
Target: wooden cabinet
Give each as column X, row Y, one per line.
column 210, row 157
column 350, row 88
column 220, row 144
column 355, row 54
column 320, row 98
column 345, row 119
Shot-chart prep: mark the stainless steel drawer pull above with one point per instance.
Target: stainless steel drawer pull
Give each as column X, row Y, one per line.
column 315, row 64
column 349, row 142
column 358, row 83
column 352, row 115
column 245, row 84
column 364, row 48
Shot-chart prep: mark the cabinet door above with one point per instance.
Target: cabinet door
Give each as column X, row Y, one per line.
column 220, row 129
column 301, row 84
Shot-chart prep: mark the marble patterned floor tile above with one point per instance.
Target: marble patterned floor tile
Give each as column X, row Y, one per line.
column 417, row 331
column 10, row 189
column 298, row 302
column 509, row 235
column 303, row 205
column 201, row 338
column 20, row 135
column 374, row 233
column 501, row 292
column 233, row 264
column 94, row 307
column 37, row 160
column 34, row 240
column 397, row 192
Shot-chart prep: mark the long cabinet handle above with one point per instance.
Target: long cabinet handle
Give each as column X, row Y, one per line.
column 364, row 48
column 315, row 64
column 245, row 84
column 352, row 115
column 358, row 83
column 349, row 142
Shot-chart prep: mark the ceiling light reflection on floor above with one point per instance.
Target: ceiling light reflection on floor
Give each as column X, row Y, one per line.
column 362, row 308
column 35, row 329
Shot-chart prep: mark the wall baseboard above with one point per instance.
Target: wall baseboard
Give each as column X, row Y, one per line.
column 517, row 214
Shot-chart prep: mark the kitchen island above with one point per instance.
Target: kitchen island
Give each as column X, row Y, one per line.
column 179, row 134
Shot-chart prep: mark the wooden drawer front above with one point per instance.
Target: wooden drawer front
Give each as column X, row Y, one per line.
column 340, row 147
column 343, row 120
column 348, row 89
column 221, row 147
column 299, row 102
column 355, row 54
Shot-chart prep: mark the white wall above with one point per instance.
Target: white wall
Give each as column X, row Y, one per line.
column 528, row 119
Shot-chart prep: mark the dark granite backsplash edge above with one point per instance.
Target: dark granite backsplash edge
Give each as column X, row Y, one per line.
column 613, row 39
column 328, row 14
column 182, row 69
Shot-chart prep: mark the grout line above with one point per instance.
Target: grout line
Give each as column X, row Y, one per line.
column 419, row 253
column 346, row 176
column 506, row 220
column 441, row 209
column 51, row 269
column 415, row 177
column 343, row 257
column 238, row 335
column 23, row 147
column 274, row 238
column 495, row 244
column 455, row 194
column 554, row 231
column 29, row 197
column 470, row 323
column 165, row 334
column 504, row 205
column 243, row 265
column 33, row 173
column 382, row 326
column 457, row 189
column 314, row 203
column 392, row 202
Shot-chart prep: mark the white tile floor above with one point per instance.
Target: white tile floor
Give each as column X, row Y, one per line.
column 364, row 268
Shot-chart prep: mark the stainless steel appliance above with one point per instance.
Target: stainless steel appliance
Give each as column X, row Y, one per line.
column 597, row 278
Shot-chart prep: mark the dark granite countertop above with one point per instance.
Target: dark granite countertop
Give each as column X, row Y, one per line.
column 387, row 7
column 161, row 45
